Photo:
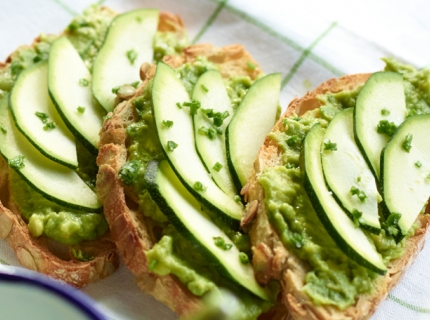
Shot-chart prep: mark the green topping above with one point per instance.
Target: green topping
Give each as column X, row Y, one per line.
column 171, row 145
column 168, row 123
column 115, row 90
column 205, row 89
column 385, row 112
column 356, row 217
column 178, row 105
column 251, row 65
column 220, row 243
column 49, row 126
column 81, row 109
column 386, row 127
column 42, row 116
column 217, row 166
column 210, row 132
column 130, row 171
column 17, row 162
column 193, row 104
column 3, row 129
column 132, row 56
column 198, row 186
column 407, row 144
column 135, row 84
column 81, row 256
column 358, row 179
column 294, row 141
column 237, row 197
column 243, row 258
column 418, row 164
column 359, row 193
column 391, row 224
column 218, row 117
column 330, row 146
column 153, row 264
column 84, row 82
column 290, row 165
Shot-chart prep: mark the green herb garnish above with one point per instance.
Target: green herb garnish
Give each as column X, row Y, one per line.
column 243, row 257
column 407, row 143
column 290, row 165
column 418, row 164
column 171, row 145
column 251, row 65
column 359, row 193
column 385, row 112
column 209, row 132
column 84, row 82
column 132, row 55
column 236, row 198
column 294, row 140
column 205, row 89
column 330, row 146
column 168, row 123
column 3, row 129
column 386, row 127
column 49, row 126
column 356, row 217
column 217, row 166
column 218, row 117
column 193, row 104
column 135, row 84
column 220, row 243
column 17, row 162
column 42, row 116
column 129, row 172
column 153, row 264
column 392, row 223
column 178, row 105
column 198, row 186
column 358, row 179
column 115, row 90
column 81, row 109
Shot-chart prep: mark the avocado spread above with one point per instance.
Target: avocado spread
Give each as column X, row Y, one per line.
column 87, row 33
column 334, row 279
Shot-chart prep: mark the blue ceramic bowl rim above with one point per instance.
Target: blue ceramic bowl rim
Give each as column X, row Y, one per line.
column 63, row 290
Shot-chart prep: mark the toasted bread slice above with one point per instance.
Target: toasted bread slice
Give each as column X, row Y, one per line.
column 273, row 261
column 134, row 233
column 45, row 255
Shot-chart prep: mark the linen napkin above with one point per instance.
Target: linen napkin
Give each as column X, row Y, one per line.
column 308, row 41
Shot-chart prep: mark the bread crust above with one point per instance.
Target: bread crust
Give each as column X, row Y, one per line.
column 273, row 261
column 132, row 231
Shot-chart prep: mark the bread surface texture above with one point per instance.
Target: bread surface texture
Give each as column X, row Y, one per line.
column 273, row 261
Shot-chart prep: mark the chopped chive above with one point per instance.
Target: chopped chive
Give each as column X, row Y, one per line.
column 168, row 123
column 131, row 55
column 198, row 186
column 3, row 129
column 81, row 109
column 391, row 224
column 217, row 166
column 385, row 112
column 236, row 198
column 17, row 162
column 209, row 132
column 115, row 90
column 284, row 122
column 135, row 84
column 178, row 105
column 418, row 164
column 386, row 127
column 84, row 82
column 356, row 217
column 358, row 179
column 290, row 165
column 42, row 116
column 243, row 258
column 49, row 126
column 205, row 89
column 330, row 146
column 193, row 104
column 153, row 264
column 171, row 145
column 407, row 143
column 359, row 193
column 220, row 243
column 251, row 65
column 228, row 246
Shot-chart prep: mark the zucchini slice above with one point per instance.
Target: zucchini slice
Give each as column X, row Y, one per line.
column 178, row 145
column 55, row 182
column 212, row 94
column 36, row 117
column 185, row 213
column 382, row 98
column 351, row 240
column 405, row 171
column 346, row 171
column 127, row 45
column 253, row 120
column 69, row 87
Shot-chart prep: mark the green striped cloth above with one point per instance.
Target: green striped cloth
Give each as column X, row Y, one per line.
column 308, row 41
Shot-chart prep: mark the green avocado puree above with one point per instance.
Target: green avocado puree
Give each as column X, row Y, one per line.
column 334, row 279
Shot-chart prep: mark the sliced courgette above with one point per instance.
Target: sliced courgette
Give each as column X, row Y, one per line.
column 350, row 239
column 253, row 120
column 347, row 173
column 127, row 45
column 69, row 83
column 55, row 182
column 214, row 101
column 185, row 213
column 178, row 145
column 36, row 117
column 382, row 98
column 405, row 171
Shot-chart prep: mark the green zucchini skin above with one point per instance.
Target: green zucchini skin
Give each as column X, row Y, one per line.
column 329, row 211
column 224, row 262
